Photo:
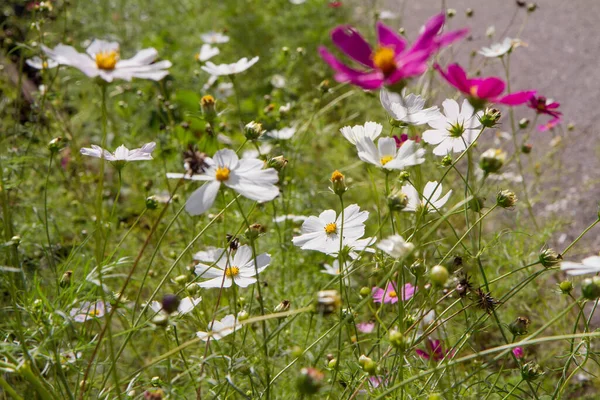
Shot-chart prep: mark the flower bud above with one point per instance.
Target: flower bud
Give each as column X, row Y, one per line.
column 438, row 275
column 506, row 199
column 160, row 319
column 523, row 123
column 367, row 364
column 254, row 231
column 15, row 240
column 365, row 291
column 518, row 352
column 65, row 281
column 446, row 160
column 154, row 394
column 549, row 258
column 253, row 130
column 397, row 201
column 328, row 301
column 590, row 288
column 403, row 176
column 519, row 326
column 56, row 144
column 490, row 117
column 309, row 381
column 531, row 371
column 332, row 363
column 283, row 306
column 338, row 183
column 531, row 7
column 151, row 203
column 170, row 303
column 418, row 268
column 492, row 160
column 526, row 148
column 570, row 126
column 566, row 287
column 207, row 104
column 243, row 315
column 324, row 86
column 397, row 339
column 469, row 12
column 451, row 12
column 277, row 163
column 476, row 204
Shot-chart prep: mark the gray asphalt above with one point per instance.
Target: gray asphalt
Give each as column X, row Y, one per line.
column 561, row 61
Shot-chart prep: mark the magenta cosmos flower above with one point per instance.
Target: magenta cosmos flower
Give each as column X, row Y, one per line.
column 389, row 295
column 433, row 350
column 390, row 62
column 541, row 105
column 483, row 90
column 553, row 123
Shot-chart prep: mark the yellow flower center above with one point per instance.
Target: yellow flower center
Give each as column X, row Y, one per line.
column 330, row 228
column 386, row 159
column 94, row 313
column 383, row 58
column 107, row 59
column 230, row 272
column 222, row 174
column 392, row 293
column 473, row 91
column 44, row 64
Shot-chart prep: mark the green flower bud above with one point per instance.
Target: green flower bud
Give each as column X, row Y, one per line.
column 492, row 160
column 519, row 326
column 207, row 104
column 243, row 315
column 446, row 160
column 151, row 203
column 549, row 258
column 365, row 291
column 590, row 288
column 277, row 163
column 469, row 12
column 531, row 371
column 254, row 231
column 451, row 12
column 367, row 364
column 282, row 307
column 566, row 287
column 332, row 363
column 523, row 123
column 397, row 339
column 438, row 275
column 65, row 281
column 56, row 144
column 338, row 183
column 309, row 381
column 253, row 130
column 490, row 117
column 506, row 199
column 476, row 204
column 397, row 201
column 526, row 148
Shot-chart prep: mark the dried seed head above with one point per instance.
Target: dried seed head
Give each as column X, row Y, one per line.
column 485, row 301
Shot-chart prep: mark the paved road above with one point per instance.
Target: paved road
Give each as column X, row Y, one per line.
column 561, row 61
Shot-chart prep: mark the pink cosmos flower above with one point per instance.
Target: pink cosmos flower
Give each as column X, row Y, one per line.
column 377, row 381
column 482, row 90
column 365, row 327
column 404, row 138
column 433, row 350
column 390, row 62
column 549, row 125
column 541, row 105
column 389, row 295
column 518, row 352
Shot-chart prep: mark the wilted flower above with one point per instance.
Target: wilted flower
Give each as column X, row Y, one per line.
column 455, row 130
column 482, row 90
column 391, row 62
column 408, row 109
column 219, row 329
column 589, row 265
column 433, row 351
column 103, row 60
column 230, row 69
column 225, row 271
column 485, row 301
column 322, row 233
column 396, row 246
column 88, row 311
column 432, row 197
column 390, row 295
column 194, row 161
column 245, row 176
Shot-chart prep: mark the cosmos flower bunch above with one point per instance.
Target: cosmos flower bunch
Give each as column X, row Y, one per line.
column 364, row 284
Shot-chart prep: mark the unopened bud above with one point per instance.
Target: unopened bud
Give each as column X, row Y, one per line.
column 277, row 163
column 469, row 12
column 367, row 364
column 397, row 339
column 160, row 320
column 438, row 275
column 253, row 130
column 490, row 117
column 310, row 381
column 549, row 258
column 446, row 160
column 365, row 291
column 151, row 203
column 492, row 160
column 566, row 287
column 65, row 281
column 506, row 199
column 207, row 104
column 590, row 288
column 531, row 371
column 56, row 144
column 519, row 326
column 403, row 176
column 243, row 315
column 418, row 267
column 254, row 231
column 170, row 303
column 476, row 204
column 531, row 7
column 397, row 201
column 526, row 148
column 283, row 306
column 338, row 183
column 523, row 123
column 451, row 12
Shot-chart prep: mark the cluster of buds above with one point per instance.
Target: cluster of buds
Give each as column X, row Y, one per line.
column 492, row 160
column 253, row 130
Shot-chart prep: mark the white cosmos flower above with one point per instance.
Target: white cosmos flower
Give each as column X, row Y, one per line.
column 121, row 153
column 207, row 52
column 38, row 63
column 432, row 197
column 589, row 265
column 297, row 2
column 396, row 246
column 186, row 305
column 230, row 69
column 454, row 131
column 354, row 134
column 322, row 233
column 103, row 60
column 407, row 108
column 499, row 49
column 289, row 217
column 334, row 270
column 278, row 81
column 213, row 37
column 283, row 133
column 254, row 153
column 387, row 155
column 245, row 176
column 219, row 329
column 225, row 270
